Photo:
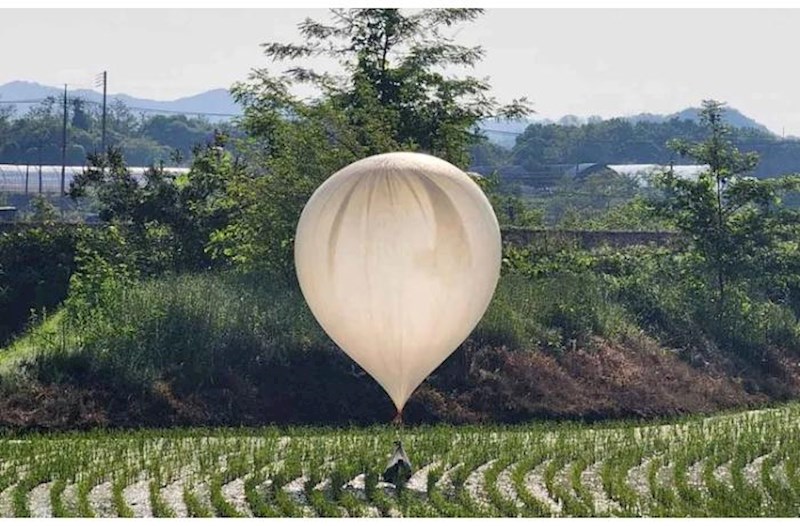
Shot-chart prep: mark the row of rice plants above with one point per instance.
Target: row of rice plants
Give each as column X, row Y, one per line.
column 692, row 467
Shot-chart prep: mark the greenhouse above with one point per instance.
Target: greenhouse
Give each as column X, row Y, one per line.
column 644, row 173
column 41, row 179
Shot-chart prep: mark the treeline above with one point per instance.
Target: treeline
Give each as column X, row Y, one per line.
column 35, row 137
column 618, row 141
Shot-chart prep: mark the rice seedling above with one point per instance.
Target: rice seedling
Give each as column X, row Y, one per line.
column 194, row 508
column 157, row 504
column 532, row 506
column 56, row 502
column 727, row 465
column 256, row 500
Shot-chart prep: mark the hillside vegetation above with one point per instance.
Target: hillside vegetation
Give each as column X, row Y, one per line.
column 543, row 150
column 34, row 137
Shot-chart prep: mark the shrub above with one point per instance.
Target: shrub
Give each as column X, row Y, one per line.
column 35, row 267
column 189, row 328
column 554, row 312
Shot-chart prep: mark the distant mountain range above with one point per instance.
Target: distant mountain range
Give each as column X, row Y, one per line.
column 218, row 104
column 505, row 133
column 733, row 117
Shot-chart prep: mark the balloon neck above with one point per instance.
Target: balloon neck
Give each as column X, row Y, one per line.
column 398, row 419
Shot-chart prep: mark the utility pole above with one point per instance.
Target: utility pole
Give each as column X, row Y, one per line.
column 64, row 144
column 105, row 87
column 39, row 151
column 103, row 78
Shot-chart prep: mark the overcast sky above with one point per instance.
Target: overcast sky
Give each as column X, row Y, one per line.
column 605, row 62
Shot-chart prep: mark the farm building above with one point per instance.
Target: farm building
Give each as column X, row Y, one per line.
column 640, row 172
column 643, row 172
column 552, row 175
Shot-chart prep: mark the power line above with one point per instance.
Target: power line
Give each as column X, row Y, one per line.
column 137, row 108
column 104, row 82
column 505, row 132
column 175, row 112
column 179, row 112
column 30, row 101
column 64, row 143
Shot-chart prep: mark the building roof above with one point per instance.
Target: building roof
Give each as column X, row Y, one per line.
column 644, row 172
column 13, row 177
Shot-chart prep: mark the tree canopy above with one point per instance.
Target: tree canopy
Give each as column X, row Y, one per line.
column 35, row 137
column 619, row 141
column 736, row 223
column 390, row 93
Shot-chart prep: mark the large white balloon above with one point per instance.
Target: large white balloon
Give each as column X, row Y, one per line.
column 398, row 256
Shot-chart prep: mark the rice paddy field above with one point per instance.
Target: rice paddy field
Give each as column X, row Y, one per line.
column 741, row 464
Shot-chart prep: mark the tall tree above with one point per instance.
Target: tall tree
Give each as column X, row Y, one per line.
column 81, row 119
column 391, row 84
column 167, row 219
column 390, row 93
column 736, row 223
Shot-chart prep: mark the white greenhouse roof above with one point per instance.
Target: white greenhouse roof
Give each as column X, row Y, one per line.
column 642, row 172
column 21, row 178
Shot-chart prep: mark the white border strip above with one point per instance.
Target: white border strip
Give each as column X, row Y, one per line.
column 317, row 4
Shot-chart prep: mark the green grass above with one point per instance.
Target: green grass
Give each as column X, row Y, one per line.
column 204, row 320
column 157, row 504
column 121, row 507
column 49, row 333
column 56, row 500
column 139, row 331
column 191, row 337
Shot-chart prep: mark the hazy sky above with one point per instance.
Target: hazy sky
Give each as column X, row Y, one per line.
column 605, row 62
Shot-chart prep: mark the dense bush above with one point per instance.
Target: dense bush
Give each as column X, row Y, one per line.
column 35, row 267
column 190, row 329
column 167, row 220
column 228, row 348
column 201, row 332
column 557, row 312
column 193, row 329
column 662, row 292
